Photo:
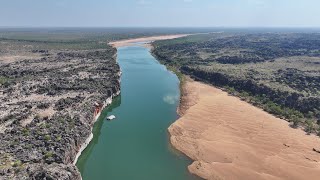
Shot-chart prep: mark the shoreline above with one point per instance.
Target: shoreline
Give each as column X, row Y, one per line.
column 106, row 103
column 230, row 139
column 188, row 98
column 184, row 162
column 89, row 139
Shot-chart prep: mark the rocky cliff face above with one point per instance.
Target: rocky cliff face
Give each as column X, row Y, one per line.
column 47, row 109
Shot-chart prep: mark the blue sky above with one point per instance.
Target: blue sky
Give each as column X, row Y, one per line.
column 160, row 13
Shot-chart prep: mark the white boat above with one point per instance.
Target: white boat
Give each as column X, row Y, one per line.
column 111, row 117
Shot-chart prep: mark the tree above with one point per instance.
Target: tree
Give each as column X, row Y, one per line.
column 295, row 121
column 309, row 126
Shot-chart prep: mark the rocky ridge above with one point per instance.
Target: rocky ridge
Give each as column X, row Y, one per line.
column 49, row 103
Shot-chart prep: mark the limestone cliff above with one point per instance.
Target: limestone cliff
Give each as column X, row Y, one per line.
column 47, row 110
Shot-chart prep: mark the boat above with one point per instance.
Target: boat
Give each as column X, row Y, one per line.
column 111, row 117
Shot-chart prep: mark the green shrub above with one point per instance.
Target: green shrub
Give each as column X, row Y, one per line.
column 61, row 120
column 48, row 125
column 47, row 137
column 310, row 114
column 309, row 126
column 4, row 80
column 17, row 163
column 244, row 94
column 231, row 90
column 29, row 146
column 274, row 108
column 25, row 131
column 48, row 154
column 295, row 121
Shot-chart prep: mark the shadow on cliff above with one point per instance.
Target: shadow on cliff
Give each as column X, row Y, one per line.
column 97, row 132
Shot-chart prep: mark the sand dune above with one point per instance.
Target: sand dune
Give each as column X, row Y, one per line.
column 230, row 139
column 130, row 42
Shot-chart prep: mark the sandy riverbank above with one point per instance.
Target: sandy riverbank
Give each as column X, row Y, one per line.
column 230, row 139
column 130, row 42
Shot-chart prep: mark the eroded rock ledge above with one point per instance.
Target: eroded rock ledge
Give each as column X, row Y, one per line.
column 48, row 109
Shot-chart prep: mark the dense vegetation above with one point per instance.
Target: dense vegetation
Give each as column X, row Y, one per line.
column 279, row 72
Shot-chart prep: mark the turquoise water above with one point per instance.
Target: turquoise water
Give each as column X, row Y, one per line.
column 136, row 144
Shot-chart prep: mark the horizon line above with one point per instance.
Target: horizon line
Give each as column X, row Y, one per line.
column 195, row 27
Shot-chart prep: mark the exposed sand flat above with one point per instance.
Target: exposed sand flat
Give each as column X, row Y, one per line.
column 231, row 139
column 130, row 42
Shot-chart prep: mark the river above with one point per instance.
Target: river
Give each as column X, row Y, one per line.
column 136, row 144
